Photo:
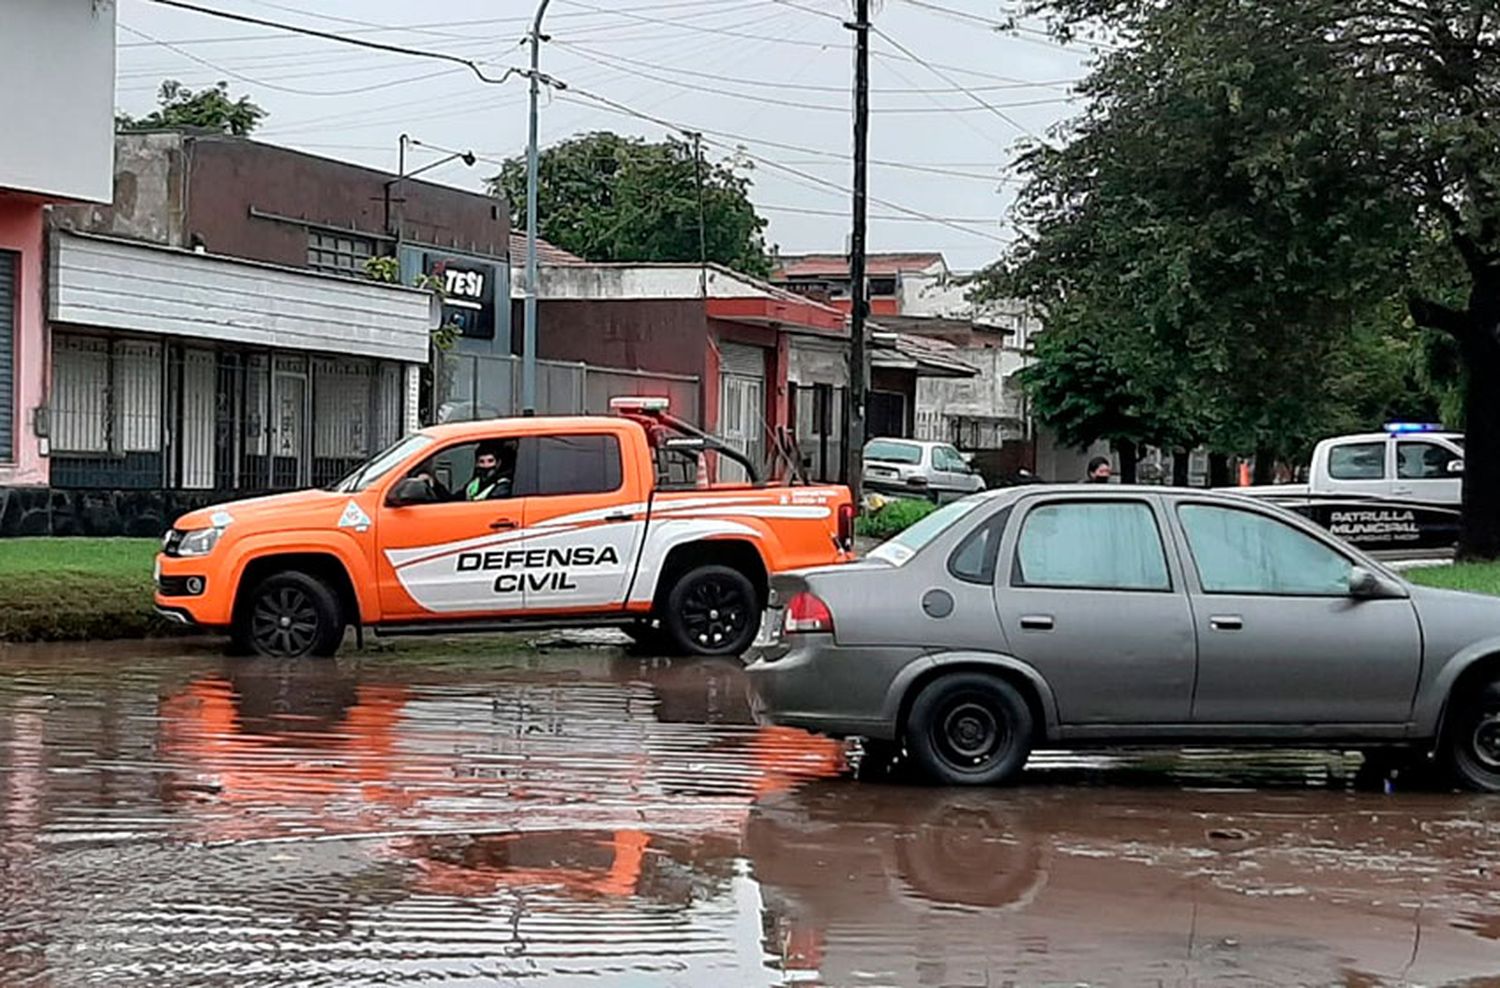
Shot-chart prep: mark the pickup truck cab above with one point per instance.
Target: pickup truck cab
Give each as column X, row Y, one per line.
column 502, row 524
column 1393, row 491
column 1405, row 462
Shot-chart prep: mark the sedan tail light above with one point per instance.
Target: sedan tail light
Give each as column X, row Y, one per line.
column 807, row 614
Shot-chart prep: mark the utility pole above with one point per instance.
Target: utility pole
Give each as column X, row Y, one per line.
column 528, row 341
column 702, row 229
column 859, row 370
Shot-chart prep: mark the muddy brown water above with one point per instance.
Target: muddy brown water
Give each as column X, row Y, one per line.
column 587, row 817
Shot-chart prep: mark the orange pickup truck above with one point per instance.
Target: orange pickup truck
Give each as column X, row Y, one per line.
column 506, row 524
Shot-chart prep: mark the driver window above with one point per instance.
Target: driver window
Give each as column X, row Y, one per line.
column 477, row 471
column 1425, row 461
column 1241, row 552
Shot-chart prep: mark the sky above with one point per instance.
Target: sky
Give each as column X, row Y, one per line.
column 766, row 82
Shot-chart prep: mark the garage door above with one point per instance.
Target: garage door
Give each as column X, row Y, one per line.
column 8, row 260
column 742, row 405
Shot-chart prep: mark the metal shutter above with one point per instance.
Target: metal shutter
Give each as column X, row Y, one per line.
column 747, row 361
column 8, row 263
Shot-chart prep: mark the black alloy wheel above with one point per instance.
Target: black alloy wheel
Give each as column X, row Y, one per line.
column 291, row 615
column 1473, row 739
column 713, row 610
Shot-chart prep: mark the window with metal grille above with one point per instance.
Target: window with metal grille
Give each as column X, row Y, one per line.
column 338, row 253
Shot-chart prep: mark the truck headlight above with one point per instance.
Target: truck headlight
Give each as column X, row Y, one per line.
column 198, row 542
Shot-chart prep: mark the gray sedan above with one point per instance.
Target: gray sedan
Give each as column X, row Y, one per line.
column 1082, row 616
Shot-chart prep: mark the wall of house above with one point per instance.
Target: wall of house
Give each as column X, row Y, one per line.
column 21, row 231
column 231, row 176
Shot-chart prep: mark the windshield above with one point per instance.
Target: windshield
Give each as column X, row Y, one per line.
column 902, row 547
column 891, row 452
column 382, row 464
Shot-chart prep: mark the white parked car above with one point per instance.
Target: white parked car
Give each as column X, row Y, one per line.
column 917, row 468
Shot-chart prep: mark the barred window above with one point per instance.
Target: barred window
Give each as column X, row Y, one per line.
column 338, row 253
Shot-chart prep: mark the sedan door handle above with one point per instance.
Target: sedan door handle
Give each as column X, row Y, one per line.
column 500, row 524
column 1036, row 622
column 1226, row 622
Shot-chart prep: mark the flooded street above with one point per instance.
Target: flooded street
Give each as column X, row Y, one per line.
column 588, row 817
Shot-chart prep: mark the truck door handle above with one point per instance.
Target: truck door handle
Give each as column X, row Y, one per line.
column 500, row 524
column 1036, row 622
column 620, row 516
column 1226, row 622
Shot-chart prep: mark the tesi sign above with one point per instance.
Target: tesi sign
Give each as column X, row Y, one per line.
column 536, row 569
column 468, row 288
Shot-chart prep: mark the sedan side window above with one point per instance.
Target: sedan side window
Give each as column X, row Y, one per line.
column 974, row 559
column 1112, row 545
column 1242, row 552
column 1357, row 461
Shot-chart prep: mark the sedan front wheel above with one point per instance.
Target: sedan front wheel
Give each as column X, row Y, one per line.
column 969, row 729
column 1473, row 740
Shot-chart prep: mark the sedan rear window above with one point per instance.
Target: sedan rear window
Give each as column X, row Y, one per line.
column 901, row 548
column 889, row 452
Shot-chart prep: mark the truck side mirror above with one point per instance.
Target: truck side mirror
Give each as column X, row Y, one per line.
column 411, row 490
column 1455, row 466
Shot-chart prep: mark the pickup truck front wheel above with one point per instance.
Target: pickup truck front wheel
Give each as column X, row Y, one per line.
column 289, row 615
column 712, row 610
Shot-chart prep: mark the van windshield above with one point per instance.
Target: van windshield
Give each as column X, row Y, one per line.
column 382, row 463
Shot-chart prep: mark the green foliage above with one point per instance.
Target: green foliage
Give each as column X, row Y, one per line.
column 1215, row 263
column 1473, row 577
column 208, row 109
column 607, row 197
column 54, row 589
column 893, row 518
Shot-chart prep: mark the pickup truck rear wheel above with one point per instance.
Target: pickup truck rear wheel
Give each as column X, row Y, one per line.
column 289, row 615
column 712, row 610
column 969, row 729
column 1473, row 740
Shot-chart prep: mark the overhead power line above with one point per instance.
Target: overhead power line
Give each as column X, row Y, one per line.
column 344, row 39
column 769, row 163
column 276, row 87
column 980, row 100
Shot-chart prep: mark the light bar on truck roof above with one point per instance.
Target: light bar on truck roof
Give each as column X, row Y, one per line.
column 635, row 404
column 1403, row 428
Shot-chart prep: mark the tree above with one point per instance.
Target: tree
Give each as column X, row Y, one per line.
column 1201, row 222
column 179, row 108
column 1413, row 83
column 607, row 197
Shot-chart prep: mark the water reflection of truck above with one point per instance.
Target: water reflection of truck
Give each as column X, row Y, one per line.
column 1396, row 491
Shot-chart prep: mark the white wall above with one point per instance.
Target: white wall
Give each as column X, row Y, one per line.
column 57, row 97
column 116, row 284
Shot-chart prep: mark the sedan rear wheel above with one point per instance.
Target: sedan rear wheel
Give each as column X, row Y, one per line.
column 969, row 729
column 1473, row 739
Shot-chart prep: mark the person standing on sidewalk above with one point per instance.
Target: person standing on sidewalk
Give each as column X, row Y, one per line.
column 1099, row 471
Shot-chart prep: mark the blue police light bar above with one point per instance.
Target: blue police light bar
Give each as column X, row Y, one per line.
column 1402, row 428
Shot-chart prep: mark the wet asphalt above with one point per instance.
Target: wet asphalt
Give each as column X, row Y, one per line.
column 478, row 815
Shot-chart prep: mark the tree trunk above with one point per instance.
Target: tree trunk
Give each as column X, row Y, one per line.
column 1218, row 470
column 1180, row 463
column 1129, row 458
column 1265, row 467
column 1479, row 536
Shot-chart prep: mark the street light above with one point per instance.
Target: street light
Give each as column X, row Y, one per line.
column 402, row 175
column 528, row 336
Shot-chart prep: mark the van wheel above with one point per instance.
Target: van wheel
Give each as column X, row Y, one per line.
column 969, row 729
column 1473, row 740
column 712, row 610
column 289, row 615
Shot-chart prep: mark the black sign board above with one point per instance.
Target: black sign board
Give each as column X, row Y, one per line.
column 1377, row 524
column 468, row 294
